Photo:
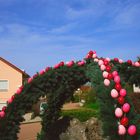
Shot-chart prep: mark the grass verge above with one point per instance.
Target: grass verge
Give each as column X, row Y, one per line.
column 81, row 114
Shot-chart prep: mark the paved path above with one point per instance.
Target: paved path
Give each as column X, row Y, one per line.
column 69, row 106
column 30, row 128
column 29, row 131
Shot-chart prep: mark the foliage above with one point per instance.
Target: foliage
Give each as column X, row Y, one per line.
column 87, row 96
column 135, row 97
column 76, row 98
column 107, row 105
column 58, row 84
column 90, row 97
column 82, row 114
column 129, row 88
column 93, row 105
column 130, row 74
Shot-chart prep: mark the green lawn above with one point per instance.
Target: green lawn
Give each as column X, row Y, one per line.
column 94, row 106
column 84, row 113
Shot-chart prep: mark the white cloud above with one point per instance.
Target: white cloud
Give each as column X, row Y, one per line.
column 92, row 9
column 64, row 28
column 19, row 36
column 98, row 24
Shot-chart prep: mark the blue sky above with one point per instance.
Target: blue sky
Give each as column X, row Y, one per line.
column 39, row 33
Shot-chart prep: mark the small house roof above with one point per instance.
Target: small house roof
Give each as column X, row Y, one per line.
column 14, row 67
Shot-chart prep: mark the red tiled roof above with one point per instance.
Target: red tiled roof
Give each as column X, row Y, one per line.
column 85, row 88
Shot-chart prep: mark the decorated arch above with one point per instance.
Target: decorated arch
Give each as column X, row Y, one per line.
column 58, row 83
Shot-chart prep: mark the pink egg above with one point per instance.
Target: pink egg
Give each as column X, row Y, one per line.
column 56, row 66
column 2, row 114
column 47, row 69
column 123, row 92
column 115, row 73
column 30, row 80
column 100, row 62
column 126, row 107
column 105, row 74
column 137, row 64
column 114, row 93
column 94, row 55
column 70, row 64
column 121, row 130
column 120, row 61
column 10, row 100
column 81, row 63
column 106, row 82
column 118, row 112
column 96, row 60
column 87, row 56
column 117, row 79
column 102, row 67
column 41, row 72
column 108, row 59
column 19, row 91
column 132, row 130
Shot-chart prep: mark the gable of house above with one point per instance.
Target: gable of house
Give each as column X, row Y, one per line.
column 11, row 78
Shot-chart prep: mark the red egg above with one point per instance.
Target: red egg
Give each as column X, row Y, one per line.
column 90, row 53
column 110, row 76
column 116, row 59
column 108, row 68
column 118, row 86
column 129, row 62
column 106, row 62
column 124, row 121
column 121, row 100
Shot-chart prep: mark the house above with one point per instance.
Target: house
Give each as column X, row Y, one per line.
column 11, row 78
column 85, row 88
column 136, row 89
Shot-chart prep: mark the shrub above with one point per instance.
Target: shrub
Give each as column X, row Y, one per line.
column 82, row 114
column 136, row 101
column 94, row 105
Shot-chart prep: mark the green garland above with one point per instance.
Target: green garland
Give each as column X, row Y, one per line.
column 58, row 84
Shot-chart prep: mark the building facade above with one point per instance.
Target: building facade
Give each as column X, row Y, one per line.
column 11, row 78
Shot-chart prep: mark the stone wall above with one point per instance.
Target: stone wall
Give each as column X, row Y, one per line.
column 73, row 129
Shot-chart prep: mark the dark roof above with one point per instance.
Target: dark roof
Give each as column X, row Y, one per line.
column 13, row 66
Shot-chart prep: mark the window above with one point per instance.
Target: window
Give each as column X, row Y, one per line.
column 3, row 85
